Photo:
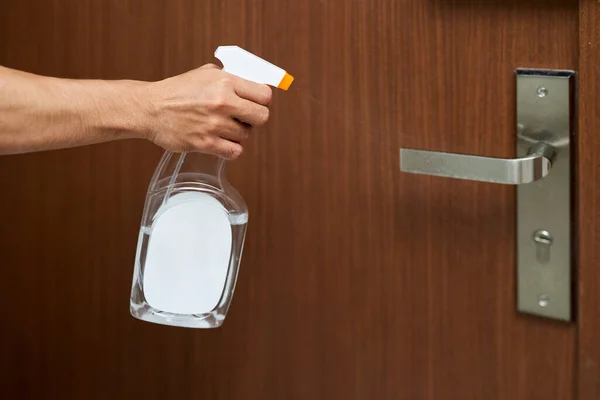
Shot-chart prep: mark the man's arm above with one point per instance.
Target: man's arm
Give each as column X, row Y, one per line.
column 203, row 110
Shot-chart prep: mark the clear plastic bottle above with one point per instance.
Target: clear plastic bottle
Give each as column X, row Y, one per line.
column 190, row 243
column 193, row 227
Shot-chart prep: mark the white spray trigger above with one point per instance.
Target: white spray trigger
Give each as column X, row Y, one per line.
column 246, row 65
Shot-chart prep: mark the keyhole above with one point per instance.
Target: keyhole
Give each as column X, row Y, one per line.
column 542, row 240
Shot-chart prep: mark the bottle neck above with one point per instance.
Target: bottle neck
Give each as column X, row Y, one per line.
column 220, row 170
column 211, row 166
column 189, row 167
column 219, row 166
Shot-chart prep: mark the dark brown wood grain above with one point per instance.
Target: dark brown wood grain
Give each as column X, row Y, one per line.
column 589, row 201
column 358, row 282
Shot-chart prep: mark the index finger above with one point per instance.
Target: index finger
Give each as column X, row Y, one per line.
column 256, row 92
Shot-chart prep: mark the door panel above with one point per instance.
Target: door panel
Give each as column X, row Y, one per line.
column 357, row 281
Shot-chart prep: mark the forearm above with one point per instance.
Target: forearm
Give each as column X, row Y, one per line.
column 42, row 113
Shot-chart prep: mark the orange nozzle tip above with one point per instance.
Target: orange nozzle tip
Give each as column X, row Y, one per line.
column 286, row 82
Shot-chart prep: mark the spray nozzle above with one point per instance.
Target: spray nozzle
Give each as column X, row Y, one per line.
column 246, row 65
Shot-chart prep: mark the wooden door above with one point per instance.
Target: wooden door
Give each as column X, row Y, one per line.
column 357, row 281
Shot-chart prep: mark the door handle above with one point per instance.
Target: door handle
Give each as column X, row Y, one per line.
column 545, row 109
column 533, row 166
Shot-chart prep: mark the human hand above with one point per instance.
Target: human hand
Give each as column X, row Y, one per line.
column 206, row 110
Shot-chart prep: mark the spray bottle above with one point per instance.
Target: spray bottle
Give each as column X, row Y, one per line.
column 194, row 226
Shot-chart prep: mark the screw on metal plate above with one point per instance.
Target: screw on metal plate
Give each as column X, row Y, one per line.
column 542, row 91
column 543, row 300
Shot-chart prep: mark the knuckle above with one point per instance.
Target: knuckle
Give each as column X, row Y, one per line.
column 219, row 101
column 244, row 133
column 206, row 143
column 264, row 117
column 261, row 116
column 215, row 124
column 202, row 143
column 210, row 66
column 267, row 94
column 227, row 82
column 187, row 146
column 232, row 152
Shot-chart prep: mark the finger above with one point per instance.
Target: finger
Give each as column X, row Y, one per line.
column 227, row 149
column 250, row 113
column 235, row 131
column 210, row 66
column 256, row 92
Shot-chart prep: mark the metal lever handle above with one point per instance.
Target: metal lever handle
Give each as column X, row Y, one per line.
column 517, row 171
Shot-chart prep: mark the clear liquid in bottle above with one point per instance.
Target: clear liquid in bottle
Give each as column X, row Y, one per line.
column 190, row 244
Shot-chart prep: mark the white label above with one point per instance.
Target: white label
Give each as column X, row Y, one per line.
column 188, row 255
